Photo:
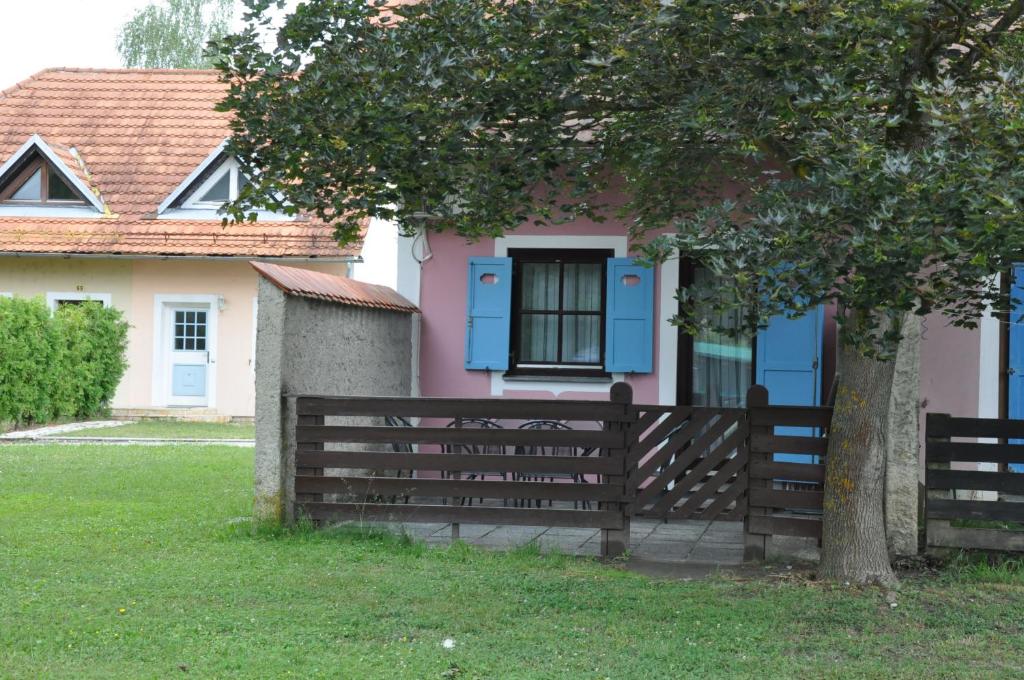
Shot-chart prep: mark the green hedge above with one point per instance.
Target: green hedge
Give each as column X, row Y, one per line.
column 62, row 365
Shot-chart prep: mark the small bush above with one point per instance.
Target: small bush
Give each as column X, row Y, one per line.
column 63, row 365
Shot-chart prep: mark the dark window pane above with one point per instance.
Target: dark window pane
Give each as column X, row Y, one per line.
column 32, row 189
column 200, row 317
column 243, row 182
column 581, row 339
column 721, row 364
column 200, row 331
column 218, row 193
column 179, row 329
column 200, row 344
column 190, row 344
column 190, row 317
column 179, row 343
column 540, row 285
column 582, row 288
column 58, row 190
column 538, row 341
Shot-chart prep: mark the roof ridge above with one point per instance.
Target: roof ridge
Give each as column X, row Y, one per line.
column 21, row 84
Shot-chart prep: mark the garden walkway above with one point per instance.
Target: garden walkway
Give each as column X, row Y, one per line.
column 691, row 541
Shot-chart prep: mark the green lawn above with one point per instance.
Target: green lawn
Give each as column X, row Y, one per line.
column 172, row 429
column 131, row 562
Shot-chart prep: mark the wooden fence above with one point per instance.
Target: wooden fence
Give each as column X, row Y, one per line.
column 994, row 495
column 784, row 499
column 458, row 469
column 566, row 463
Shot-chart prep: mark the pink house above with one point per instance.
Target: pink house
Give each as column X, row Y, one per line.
column 560, row 312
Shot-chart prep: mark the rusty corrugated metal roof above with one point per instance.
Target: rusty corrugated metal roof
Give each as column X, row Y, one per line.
column 340, row 289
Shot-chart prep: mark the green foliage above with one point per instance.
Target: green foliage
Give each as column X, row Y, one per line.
column 95, row 339
column 62, row 365
column 870, row 149
column 175, row 34
column 31, row 363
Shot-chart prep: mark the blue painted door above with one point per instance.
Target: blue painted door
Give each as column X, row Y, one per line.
column 789, row 364
column 1015, row 383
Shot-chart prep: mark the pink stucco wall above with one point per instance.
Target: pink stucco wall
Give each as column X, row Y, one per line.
column 949, row 356
column 443, row 301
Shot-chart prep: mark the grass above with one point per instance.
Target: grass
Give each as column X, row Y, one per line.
column 172, row 429
column 134, row 562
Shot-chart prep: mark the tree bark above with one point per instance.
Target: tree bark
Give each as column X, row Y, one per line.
column 902, row 443
column 853, row 540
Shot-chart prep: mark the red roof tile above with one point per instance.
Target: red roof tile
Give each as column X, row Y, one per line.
column 321, row 286
column 138, row 135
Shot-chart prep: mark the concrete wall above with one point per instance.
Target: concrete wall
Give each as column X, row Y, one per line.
column 308, row 346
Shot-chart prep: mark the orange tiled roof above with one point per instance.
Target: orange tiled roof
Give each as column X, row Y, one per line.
column 321, row 286
column 137, row 135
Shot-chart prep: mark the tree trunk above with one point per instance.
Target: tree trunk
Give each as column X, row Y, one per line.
column 902, row 446
column 853, row 539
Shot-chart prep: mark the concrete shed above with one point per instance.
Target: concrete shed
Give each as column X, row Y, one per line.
column 321, row 334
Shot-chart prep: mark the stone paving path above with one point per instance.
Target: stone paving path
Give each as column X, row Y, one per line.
column 695, row 541
column 52, row 430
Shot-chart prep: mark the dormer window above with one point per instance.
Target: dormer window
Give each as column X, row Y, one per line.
column 222, row 186
column 38, row 183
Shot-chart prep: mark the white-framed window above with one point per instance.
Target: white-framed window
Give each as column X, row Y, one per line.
column 55, row 300
column 222, row 186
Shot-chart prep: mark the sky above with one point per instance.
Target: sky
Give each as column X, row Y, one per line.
column 38, row 34
column 79, row 33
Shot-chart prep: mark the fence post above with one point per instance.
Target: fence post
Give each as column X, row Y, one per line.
column 936, row 430
column 615, row 542
column 755, row 546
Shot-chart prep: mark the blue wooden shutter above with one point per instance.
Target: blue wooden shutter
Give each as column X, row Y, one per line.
column 629, row 324
column 488, row 312
column 1015, row 384
column 789, row 365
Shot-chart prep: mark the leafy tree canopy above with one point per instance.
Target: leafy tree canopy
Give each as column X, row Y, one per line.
column 874, row 144
column 175, row 34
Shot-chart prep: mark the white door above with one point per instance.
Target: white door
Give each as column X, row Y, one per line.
column 188, row 347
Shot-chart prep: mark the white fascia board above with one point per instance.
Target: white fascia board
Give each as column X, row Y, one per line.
column 200, row 169
column 35, row 141
column 208, row 214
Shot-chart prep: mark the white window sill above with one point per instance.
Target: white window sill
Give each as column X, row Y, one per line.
column 560, row 379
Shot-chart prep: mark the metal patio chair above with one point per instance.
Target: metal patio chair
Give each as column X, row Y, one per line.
column 483, row 449
column 543, row 450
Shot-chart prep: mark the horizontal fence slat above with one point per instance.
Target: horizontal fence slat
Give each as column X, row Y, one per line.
column 463, row 514
column 790, row 416
column 942, row 508
column 973, row 452
column 784, row 526
column 459, row 462
column 941, row 425
column 509, row 409
column 795, row 472
column 309, row 434
column 784, row 498
column 942, row 535
column 393, row 486
column 767, row 443
column 1006, row 482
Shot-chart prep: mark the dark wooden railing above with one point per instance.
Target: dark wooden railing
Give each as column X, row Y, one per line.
column 784, row 499
column 463, row 474
column 984, row 524
column 595, row 464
